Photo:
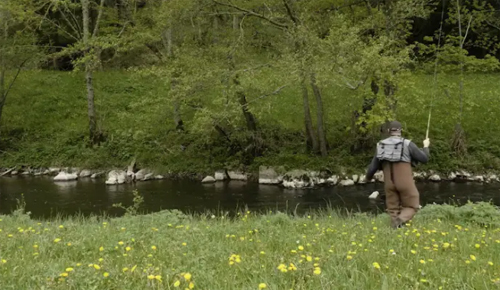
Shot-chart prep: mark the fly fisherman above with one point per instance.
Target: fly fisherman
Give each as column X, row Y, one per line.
column 396, row 156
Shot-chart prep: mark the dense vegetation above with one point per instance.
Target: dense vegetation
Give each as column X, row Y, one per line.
column 198, row 85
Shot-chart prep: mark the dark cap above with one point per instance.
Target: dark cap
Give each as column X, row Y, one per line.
column 395, row 126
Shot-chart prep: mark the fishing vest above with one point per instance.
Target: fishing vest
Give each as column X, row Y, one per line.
column 394, row 149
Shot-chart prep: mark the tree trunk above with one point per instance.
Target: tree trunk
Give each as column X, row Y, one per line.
column 249, row 117
column 2, row 88
column 319, row 114
column 311, row 140
column 94, row 136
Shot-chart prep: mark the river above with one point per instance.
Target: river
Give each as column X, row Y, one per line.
column 45, row 198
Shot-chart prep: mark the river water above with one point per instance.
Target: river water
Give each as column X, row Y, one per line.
column 45, row 198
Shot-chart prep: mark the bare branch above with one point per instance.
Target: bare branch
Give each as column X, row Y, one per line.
column 99, row 15
column 252, row 13
column 63, row 14
column 290, row 12
column 277, row 91
column 466, row 32
column 14, row 79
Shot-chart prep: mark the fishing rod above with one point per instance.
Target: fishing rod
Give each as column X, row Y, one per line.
column 435, row 71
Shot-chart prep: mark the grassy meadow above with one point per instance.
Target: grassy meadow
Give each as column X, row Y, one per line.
column 445, row 247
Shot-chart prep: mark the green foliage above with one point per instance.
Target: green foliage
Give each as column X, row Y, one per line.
column 482, row 213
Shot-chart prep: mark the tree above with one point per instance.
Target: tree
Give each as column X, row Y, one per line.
column 17, row 43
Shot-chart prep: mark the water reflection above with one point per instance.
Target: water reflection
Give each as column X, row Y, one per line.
column 46, row 198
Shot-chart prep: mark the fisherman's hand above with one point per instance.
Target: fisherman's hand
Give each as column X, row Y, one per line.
column 427, row 142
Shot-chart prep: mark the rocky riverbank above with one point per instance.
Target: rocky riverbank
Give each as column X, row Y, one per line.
column 266, row 175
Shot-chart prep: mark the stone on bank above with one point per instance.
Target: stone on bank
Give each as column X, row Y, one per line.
column 116, row 177
column 64, row 176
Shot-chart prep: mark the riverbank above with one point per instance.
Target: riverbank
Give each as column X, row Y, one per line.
column 135, row 114
column 170, row 250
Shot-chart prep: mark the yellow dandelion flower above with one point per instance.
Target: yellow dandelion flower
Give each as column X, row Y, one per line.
column 477, row 246
column 57, row 240
column 309, row 258
column 472, row 257
column 184, row 244
column 69, row 244
column 413, row 252
column 124, row 269
column 101, row 249
column 262, row 286
column 317, row 271
column 64, row 274
column 69, row 269
column 153, row 248
column 301, row 248
column 177, row 283
column 376, row 265
column 262, row 252
column 490, row 263
column 61, row 227
column 97, row 267
column 191, row 285
column 423, row 280
column 105, row 274
column 78, row 264
column 292, row 267
column 120, row 243
column 187, row 276
column 349, row 258
column 422, row 261
column 158, row 278
column 446, row 245
column 151, row 277
column 128, row 249
column 467, row 262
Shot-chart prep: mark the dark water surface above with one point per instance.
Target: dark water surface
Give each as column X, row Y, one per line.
column 46, row 198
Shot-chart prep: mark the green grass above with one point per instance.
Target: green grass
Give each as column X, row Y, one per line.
column 45, row 123
column 445, row 247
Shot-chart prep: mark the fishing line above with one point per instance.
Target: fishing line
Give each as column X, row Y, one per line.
column 435, row 71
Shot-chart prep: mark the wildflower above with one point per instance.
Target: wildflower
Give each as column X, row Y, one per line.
column 97, row 267
column 177, row 283
column 317, row 271
column 187, row 276
column 151, row 277
column 35, row 246
column 490, row 263
column 309, row 258
column 57, row 240
column 472, row 257
column 301, row 248
column 69, row 269
column 293, row 251
column 78, row 264
column 477, row 246
column 292, row 267
column 101, row 259
column 153, row 248
column 262, row 286
column 69, row 244
column 128, row 249
column 184, row 244
column 282, row 268
column 64, row 274
column 423, row 280
column 120, row 243
column 106, row 274
column 413, row 252
column 349, row 258
column 467, row 262
column 101, row 249
column 446, row 245
column 158, row 278
column 422, row 261
column 133, row 268
column 262, row 253
column 376, row 265
column 191, row 285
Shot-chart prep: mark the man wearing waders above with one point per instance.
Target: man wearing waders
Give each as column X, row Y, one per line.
column 396, row 156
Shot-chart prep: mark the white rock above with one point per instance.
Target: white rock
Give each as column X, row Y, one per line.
column 478, row 178
column 435, row 178
column 148, row 176
column 374, row 195
column 347, row 182
column 64, row 176
column 379, row 176
column 355, row 178
column 15, row 172
column 116, row 177
column 158, row 177
column 97, row 175
column 85, row 173
column 362, row 179
column 333, row 180
column 452, row 176
column 220, row 176
column 208, row 179
column 492, row 178
column 267, row 175
column 25, row 172
column 235, row 175
column 54, row 170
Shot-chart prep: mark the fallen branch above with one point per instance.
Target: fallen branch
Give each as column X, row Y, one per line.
column 8, row 171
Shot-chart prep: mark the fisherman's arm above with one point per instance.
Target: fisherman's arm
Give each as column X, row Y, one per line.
column 419, row 155
column 372, row 168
